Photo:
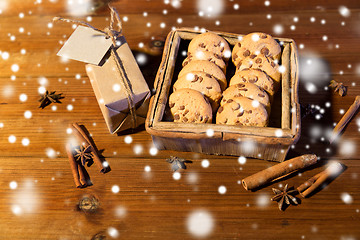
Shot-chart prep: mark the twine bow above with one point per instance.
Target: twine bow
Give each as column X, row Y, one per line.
column 111, row 32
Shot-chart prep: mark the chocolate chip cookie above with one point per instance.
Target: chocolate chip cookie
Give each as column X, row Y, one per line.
column 256, row 76
column 267, row 64
column 202, row 82
column 207, row 67
column 255, row 44
column 248, row 90
column 210, row 42
column 209, row 56
column 242, row 111
column 187, row 105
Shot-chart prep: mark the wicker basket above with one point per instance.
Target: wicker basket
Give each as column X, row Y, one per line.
column 269, row 143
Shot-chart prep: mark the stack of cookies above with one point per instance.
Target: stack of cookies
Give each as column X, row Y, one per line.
column 201, row 86
column 247, row 100
column 198, row 90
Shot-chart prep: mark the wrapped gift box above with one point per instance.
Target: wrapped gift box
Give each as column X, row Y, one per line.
column 117, row 81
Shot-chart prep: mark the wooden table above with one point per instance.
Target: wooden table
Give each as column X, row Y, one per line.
column 38, row 199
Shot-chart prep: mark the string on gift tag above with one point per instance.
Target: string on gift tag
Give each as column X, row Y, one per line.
column 110, row 32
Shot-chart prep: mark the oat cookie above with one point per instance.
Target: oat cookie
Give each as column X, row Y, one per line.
column 267, row 64
column 242, row 111
column 202, row 82
column 210, row 42
column 207, row 67
column 248, row 90
column 256, row 76
column 187, row 105
column 209, row 56
column 256, row 43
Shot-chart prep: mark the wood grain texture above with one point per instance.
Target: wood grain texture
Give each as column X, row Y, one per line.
column 153, row 205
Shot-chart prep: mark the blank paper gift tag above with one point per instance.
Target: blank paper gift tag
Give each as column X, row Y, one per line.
column 86, row 45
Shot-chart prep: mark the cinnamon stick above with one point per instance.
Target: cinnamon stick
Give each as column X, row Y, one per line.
column 74, row 166
column 279, row 170
column 81, row 174
column 85, row 141
column 311, row 185
column 308, row 183
column 83, row 136
column 345, row 119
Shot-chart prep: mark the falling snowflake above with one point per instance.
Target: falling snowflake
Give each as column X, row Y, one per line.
column 69, row 131
column 115, row 189
column 315, row 131
column 278, row 29
column 141, row 59
column 12, row 139
column 25, row 142
column 15, row 68
column 16, row 209
column 314, row 69
column 113, row 232
column 346, row 198
column 347, row 148
column 205, row 163
column 13, row 185
column 278, row 133
column 210, row 8
column 176, row 3
column 210, row 132
column 120, row 211
column 147, row 169
column 23, row 97
column 242, row 160
column 176, row 175
column 222, row 189
column 344, row 11
column 116, row 87
column 192, row 178
column 50, row 152
column 128, row 139
column 69, row 107
column 248, row 146
column 153, row 151
column 138, row 149
column 79, row 8
column 200, row 223
column 262, row 200
column 282, row 69
column 5, row 55
column 27, row 114
column 255, row 103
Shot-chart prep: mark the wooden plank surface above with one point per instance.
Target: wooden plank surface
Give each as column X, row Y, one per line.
column 38, row 199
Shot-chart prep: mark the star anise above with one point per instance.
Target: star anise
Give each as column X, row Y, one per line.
column 83, row 154
column 338, row 87
column 48, row 98
column 285, row 197
column 177, row 163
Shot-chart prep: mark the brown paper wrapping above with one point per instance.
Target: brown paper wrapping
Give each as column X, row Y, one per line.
column 119, row 86
column 105, row 81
